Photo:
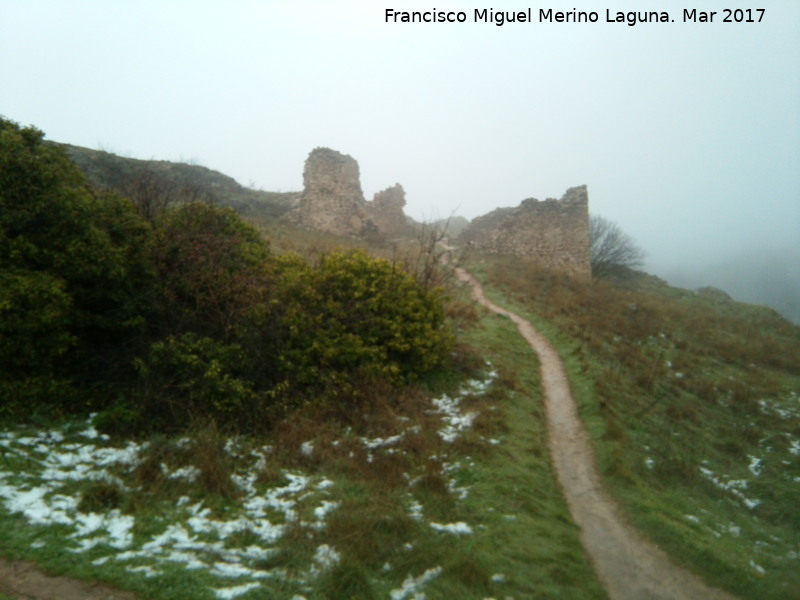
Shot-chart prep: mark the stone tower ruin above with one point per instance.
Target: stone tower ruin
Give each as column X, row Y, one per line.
column 332, row 200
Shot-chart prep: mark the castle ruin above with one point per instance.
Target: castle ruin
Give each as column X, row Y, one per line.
column 332, row 200
column 553, row 233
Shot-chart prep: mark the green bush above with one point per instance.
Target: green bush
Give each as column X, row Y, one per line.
column 212, row 267
column 353, row 317
column 190, row 377
column 74, row 282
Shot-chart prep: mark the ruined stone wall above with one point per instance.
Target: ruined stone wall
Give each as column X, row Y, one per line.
column 554, row 233
column 332, row 200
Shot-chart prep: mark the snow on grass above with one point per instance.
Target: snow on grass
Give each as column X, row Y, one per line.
column 43, row 473
column 325, row 558
column 734, row 486
column 755, row 465
column 189, row 534
column 375, row 443
column 757, row 568
column 234, row 592
column 412, row 587
column 794, row 447
column 455, row 421
column 459, row 528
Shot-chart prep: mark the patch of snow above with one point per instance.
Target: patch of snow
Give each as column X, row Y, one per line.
column 758, row 568
column 375, row 443
column 307, row 448
column 734, row 486
column 794, row 447
column 234, row 592
column 323, row 509
column 189, row 473
column 459, row 528
column 325, row 484
column 691, row 519
column 415, row 510
column 455, row 421
column 144, row 570
column 755, row 465
column 325, row 558
column 224, row 569
column 412, row 587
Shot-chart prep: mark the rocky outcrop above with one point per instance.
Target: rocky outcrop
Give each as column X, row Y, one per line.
column 554, row 233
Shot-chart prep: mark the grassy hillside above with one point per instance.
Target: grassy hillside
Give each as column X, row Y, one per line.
column 694, row 405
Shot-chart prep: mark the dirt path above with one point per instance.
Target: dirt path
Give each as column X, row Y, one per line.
column 629, row 566
column 23, row 580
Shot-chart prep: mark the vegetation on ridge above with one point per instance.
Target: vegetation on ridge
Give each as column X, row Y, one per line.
column 184, row 313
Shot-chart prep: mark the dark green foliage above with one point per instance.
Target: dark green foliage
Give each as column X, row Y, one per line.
column 189, row 376
column 71, row 268
column 182, row 313
column 353, row 318
column 212, row 268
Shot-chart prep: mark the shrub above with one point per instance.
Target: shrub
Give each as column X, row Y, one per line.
column 212, row 266
column 188, row 377
column 353, row 317
column 613, row 252
column 72, row 288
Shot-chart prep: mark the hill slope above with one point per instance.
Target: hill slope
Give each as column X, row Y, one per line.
column 130, row 176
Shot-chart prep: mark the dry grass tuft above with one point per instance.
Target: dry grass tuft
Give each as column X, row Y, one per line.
column 216, row 467
column 371, row 530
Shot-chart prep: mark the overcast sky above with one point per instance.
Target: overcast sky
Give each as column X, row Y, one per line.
column 687, row 134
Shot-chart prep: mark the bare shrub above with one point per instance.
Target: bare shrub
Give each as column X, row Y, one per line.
column 613, row 252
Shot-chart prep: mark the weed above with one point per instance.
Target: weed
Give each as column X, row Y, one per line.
column 101, row 497
column 371, row 529
column 209, row 456
column 347, row 580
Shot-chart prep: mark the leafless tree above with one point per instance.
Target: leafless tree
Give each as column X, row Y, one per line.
column 434, row 261
column 613, row 252
column 153, row 192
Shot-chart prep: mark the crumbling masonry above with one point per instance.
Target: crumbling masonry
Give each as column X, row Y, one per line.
column 553, row 233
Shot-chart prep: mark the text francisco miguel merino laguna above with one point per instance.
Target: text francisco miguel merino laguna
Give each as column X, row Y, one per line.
column 548, row 15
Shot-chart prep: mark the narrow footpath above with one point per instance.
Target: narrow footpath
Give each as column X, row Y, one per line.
column 629, row 566
column 25, row 581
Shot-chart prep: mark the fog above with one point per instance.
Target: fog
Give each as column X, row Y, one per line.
column 687, row 134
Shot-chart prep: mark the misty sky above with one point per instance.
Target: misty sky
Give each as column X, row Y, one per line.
column 687, row 135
